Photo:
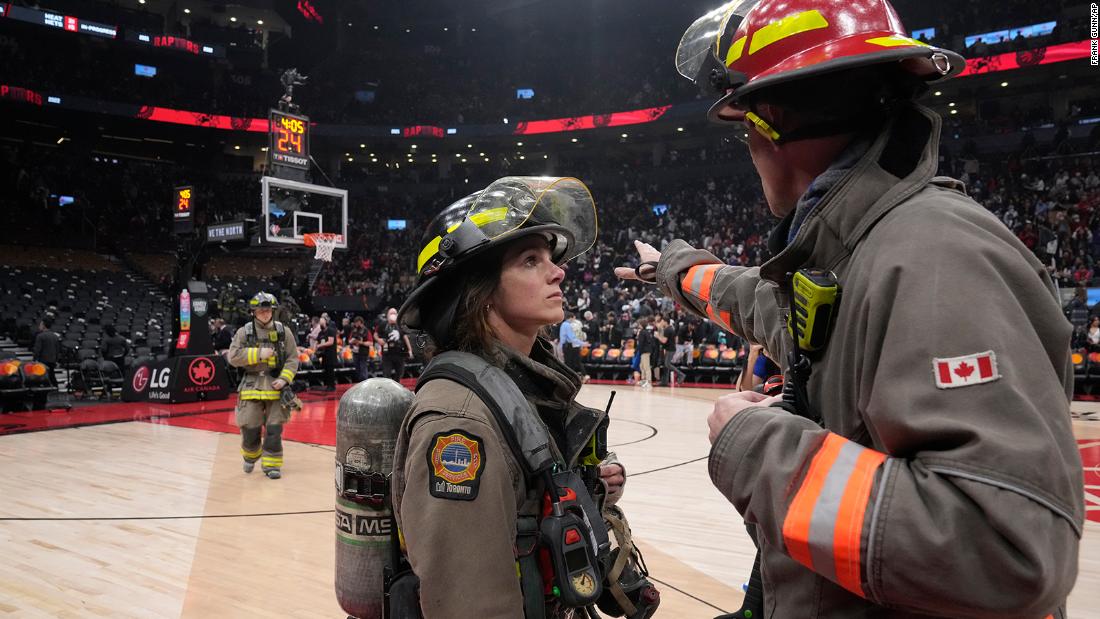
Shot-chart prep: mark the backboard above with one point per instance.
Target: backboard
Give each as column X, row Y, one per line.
column 292, row 209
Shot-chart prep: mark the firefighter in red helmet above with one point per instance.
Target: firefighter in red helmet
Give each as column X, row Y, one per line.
column 921, row 462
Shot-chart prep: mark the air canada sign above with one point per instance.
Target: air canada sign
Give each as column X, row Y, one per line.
column 185, row 378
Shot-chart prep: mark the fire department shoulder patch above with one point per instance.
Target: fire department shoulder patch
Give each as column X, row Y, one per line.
column 455, row 463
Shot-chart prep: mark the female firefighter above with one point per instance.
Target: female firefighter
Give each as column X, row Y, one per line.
column 476, row 455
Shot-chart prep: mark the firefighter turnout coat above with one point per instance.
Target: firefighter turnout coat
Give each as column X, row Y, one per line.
column 244, row 353
column 946, row 481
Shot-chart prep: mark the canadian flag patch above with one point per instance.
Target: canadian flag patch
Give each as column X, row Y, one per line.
column 965, row 371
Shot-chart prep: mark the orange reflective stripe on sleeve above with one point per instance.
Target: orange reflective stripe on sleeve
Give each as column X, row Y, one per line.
column 722, row 319
column 698, row 280
column 824, row 524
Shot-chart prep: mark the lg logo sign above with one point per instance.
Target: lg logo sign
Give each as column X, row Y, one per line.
column 157, row 379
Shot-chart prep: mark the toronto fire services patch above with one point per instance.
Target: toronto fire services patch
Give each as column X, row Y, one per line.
column 966, row 370
column 455, row 462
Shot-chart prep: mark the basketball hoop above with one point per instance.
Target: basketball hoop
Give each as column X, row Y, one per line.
column 324, row 242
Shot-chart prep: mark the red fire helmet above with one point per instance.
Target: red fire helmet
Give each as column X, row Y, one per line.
column 747, row 45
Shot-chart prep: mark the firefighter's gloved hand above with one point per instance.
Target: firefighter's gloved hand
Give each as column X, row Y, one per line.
column 278, row 384
column 266, row 353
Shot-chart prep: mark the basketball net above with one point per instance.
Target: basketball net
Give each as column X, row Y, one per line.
column 323, row 243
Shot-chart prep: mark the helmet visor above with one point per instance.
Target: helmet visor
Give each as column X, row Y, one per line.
column 698, row 51
column 515, row 202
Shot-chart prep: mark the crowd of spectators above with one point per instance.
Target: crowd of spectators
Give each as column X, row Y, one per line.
column 1050, row 203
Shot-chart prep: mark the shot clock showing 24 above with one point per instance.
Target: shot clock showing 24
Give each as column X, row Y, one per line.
column 289, row 137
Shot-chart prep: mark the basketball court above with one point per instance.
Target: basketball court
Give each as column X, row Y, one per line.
column 142, row 510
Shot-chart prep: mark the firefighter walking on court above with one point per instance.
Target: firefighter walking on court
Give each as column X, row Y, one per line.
column 266, row 352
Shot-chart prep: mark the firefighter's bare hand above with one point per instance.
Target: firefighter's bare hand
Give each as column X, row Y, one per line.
column 278, row 384
column 728, row 406
column 266, row 353
column 614, row 476
column 646, row 253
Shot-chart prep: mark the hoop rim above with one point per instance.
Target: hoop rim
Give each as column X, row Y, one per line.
column 310, row 239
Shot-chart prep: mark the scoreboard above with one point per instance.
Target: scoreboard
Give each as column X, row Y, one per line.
column 182, row 209
column 289, row 140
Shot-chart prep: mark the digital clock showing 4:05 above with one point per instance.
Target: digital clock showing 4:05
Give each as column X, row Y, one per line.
column 289, row 140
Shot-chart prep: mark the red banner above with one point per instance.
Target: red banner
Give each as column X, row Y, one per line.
column 16, row 93
column 596, row 121
column 1026, row 58
column 199, row 119
column 974, row 66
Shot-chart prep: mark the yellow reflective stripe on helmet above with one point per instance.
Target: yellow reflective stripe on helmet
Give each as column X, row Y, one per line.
column 479, row 219
column 735, row 51
column 286, row 375
column 896, row 40
column 788, row 26
column 762, row 126
column 259, row 394
column 489, row 216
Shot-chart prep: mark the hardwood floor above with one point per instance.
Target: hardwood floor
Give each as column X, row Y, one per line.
column 156, row 519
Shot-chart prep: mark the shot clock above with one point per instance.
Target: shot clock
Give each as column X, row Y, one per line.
column 289, row 140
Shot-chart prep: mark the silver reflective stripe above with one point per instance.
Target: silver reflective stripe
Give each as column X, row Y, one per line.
column 697, row 281
column 827, row 508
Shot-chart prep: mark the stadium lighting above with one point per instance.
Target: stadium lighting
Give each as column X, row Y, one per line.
column 469, row 146
column 188, row 11
column 506, row 120
column 373, row 160
column 233, row 19
column 938, row 93
column 546, row 156
column 260, row 22
column 522, row 157
column 481, row 154
column 376, row 27
column 350, row 160
column 445, row 29
column 473, row 29
column 349, row 24
column 141, row 1
column 574, row 140
column 407, row 30
column 60, row 140
column 1004, row 84
column 264, row 149
column 954, row 111
column 680, row 129
column 463, row 160
column 237, row 147
column 362, row 146
column 624, row 135
column 519, row 143
column 952, row 104
column 486, row 160
column 413, row 147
